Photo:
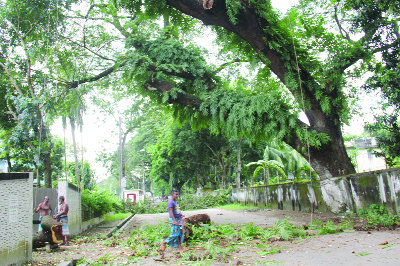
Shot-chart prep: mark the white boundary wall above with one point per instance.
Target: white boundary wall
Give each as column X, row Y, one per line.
column 73, row 199
column 16, row 211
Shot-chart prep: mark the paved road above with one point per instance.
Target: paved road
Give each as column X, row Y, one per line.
column 357, row 248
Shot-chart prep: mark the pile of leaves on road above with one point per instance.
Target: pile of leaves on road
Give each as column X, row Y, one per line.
column 210, row 241
column 377, row 217
column 213, row 242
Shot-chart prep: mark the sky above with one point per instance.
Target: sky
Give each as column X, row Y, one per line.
column 98, row 135
column 94, row 134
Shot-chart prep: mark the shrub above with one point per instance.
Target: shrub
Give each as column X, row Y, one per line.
column 98, row 202
column 192, row 202
column 377, row 215
column 144, row 207
column 186, row 202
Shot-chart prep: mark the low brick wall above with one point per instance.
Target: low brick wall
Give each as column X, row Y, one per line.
column 92, row 222
column 15, row 218
column 336, row 195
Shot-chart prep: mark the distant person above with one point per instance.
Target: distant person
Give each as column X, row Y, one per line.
column 176, row 237
column 62, row 217
column 45, row 209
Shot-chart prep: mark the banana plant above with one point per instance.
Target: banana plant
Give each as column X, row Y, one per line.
column 265, row 166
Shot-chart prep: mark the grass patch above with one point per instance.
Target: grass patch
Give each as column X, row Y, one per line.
column 116, row 216
column 235, row 206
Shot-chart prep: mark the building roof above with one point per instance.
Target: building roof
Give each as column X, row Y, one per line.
column 365, row 143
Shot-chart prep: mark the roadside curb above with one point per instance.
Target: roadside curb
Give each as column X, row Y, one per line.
column 112, row 231
column 71, row 263
column 128, row 222
column 120, row 225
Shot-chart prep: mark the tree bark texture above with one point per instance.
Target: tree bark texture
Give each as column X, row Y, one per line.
column 194, row 220
column 78, row 180
column 47, row 169
column 239, row 164
column 51, row 233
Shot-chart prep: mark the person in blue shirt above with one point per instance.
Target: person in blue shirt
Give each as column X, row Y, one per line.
column 176, row 237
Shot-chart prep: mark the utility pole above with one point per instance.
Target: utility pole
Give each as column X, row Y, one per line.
column 239, row 164
column 120, row 159
column 144, row 184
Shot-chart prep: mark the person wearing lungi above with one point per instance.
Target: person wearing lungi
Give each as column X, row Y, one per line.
column 176, row 237
column 62, row 217
column 45, row 209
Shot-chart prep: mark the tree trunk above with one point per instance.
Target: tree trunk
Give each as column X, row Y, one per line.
column 122, row 154
column 239, row 164
column 194, row 220
column 51, row 233
column 47, row 169
column 197, row 179
column 330, row 159
column 8, row 161
column 222, row 166
column 216, row 180
column 78, row 181
column 144, row 181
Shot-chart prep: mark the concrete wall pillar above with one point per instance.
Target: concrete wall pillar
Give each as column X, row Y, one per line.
column 16, row 217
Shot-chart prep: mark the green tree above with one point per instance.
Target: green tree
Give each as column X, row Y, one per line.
column 387, row 133
column 306, row 57
column 29, row 30
column 86, row 173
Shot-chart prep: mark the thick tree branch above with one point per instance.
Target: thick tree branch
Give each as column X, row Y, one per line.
column 119, row 27
column 30, row 30
column 12, row 79
column 105, row 73
column 74, row 17
column 249, row 28
column 362, row 53
column 186, row 99
column 227, row 64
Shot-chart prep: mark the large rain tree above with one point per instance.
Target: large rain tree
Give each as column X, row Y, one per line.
column 306, row 59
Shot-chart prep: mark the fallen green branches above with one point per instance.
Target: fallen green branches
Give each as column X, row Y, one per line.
column 376, row 217
column 186, row 202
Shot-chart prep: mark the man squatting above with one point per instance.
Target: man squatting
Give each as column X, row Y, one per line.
column 176, row 237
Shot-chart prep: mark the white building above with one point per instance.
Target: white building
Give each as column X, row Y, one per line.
column 363, row 153
column 3, row 166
